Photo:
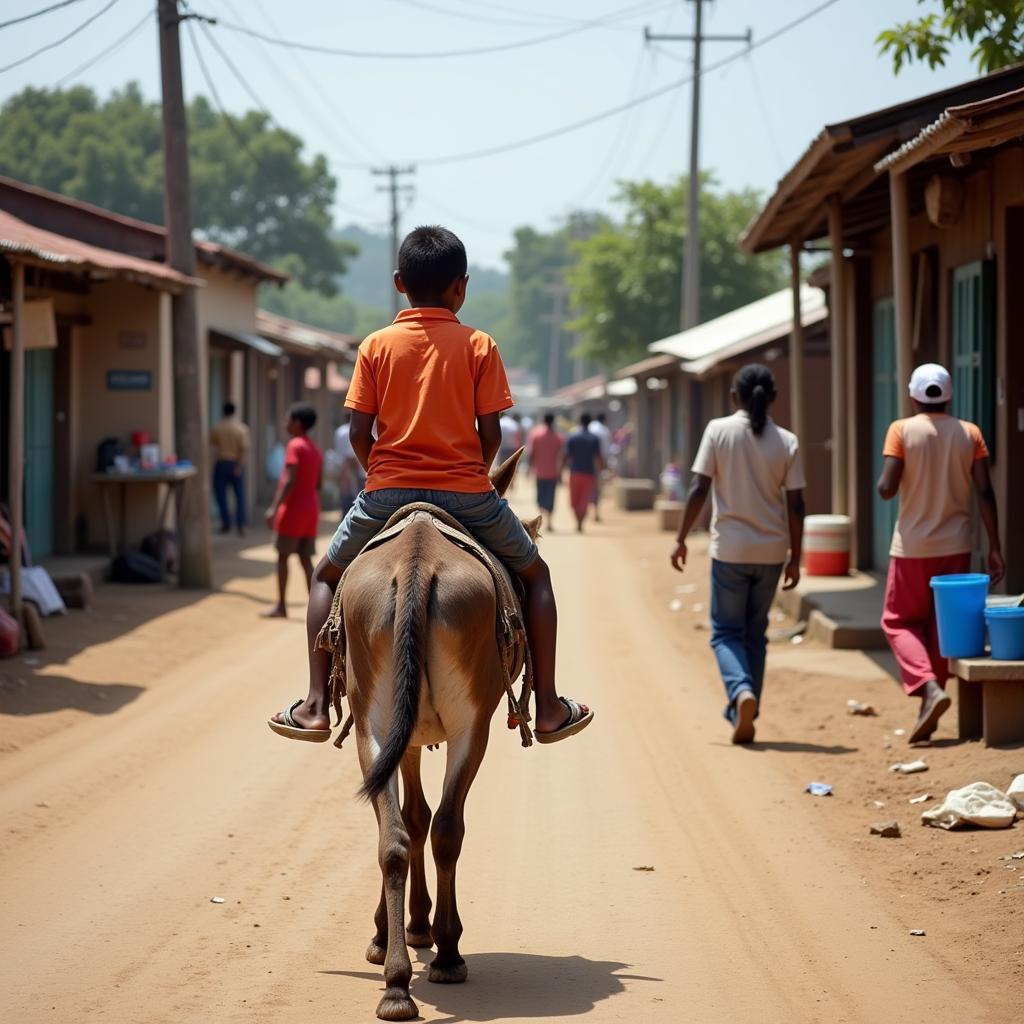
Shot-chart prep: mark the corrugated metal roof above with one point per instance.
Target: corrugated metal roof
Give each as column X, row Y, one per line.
column 246, row 339
column 38, row 246
column 650, row 365
column 296, row 335
column 745, row 328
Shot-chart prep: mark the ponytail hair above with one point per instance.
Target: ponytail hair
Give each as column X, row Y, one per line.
column 755, row 387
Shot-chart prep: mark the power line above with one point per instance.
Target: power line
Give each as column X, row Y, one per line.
column 585, row 122
column 39, row 13
column 107, row 51
column 516, row 44
column 239, row 77
column 548, row 19
column 50, row 46
column 608, row 22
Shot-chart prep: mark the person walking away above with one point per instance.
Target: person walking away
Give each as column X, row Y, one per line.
column 229, row 439
column 294, row 514
column 511, row 437
column 545, row 449
column 350, row 474
column 435, row 389
column 599, row 428
column 752, row 468
column 583, row 458
column 931, row 460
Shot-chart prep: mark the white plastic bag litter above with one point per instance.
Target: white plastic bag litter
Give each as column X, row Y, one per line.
column 976, row 804
column 1015, row 791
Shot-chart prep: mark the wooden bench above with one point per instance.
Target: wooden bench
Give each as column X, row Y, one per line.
column 991, row 699
column 634, row 495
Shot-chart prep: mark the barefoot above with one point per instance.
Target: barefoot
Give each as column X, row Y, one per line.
column 277, row 612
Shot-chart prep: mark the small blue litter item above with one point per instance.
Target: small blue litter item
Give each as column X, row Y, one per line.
column 819, row 789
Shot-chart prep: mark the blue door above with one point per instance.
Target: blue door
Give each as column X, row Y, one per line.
column 885, row 408
column 39, row 444
column 974, row 370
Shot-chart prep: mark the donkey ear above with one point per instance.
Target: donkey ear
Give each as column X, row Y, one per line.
column 532, row 527
column 502, row 476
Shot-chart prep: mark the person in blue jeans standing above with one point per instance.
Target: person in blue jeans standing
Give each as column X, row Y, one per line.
column 752, row 468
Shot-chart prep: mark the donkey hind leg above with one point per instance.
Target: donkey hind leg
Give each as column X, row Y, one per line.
column 393, row 855
column 465, row 754
column 416, row 815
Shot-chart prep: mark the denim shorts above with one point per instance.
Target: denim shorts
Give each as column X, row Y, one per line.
column 486, row 516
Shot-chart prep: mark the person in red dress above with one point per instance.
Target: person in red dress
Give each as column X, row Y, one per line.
column 294, row 514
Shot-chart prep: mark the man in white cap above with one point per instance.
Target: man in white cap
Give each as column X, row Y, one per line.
column 931, row 461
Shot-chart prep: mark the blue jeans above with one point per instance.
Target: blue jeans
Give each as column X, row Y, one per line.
column 485, row 515
column 224, row 479
column 741, row 598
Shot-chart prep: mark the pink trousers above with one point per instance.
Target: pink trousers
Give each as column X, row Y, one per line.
column 908, row 618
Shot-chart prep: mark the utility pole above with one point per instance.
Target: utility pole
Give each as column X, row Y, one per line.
column 194, row 548
column 393, row 186
column 559, row 292
column 690, row 314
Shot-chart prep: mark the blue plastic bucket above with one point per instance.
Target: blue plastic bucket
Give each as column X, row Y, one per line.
column 960, row 609
column 1006, row 633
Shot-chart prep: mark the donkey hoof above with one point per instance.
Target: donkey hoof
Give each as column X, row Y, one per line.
column 375, row 954
column 448, row 974
column 419, row 940
column 397, row 1004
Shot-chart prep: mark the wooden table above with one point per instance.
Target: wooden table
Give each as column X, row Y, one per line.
column 174, row 479
column 991, row 699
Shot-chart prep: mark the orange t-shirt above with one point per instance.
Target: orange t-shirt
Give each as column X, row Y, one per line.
column 427, row 378
column 938, row 452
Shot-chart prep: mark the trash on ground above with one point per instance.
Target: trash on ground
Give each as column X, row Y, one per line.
column 699, row 607
column 644, row 867
column 877, row 803
column 797, row 640
column 917, row 931
column 686, row 588
column 908, row 767
column 675, row 605
column 854, row 707
column 819, row 789
column 922, row 799
column 1015, row 791
column 1019, row 855
column 899, row 732
column 886, row 829
column 977, row 804
column 780, row 634
column 216, row 899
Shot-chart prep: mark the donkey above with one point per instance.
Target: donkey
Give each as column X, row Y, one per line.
column 423, row 668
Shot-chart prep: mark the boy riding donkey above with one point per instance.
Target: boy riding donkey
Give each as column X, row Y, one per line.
column 435, row 389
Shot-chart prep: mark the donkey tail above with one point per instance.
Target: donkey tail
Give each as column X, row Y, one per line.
column 412, row 596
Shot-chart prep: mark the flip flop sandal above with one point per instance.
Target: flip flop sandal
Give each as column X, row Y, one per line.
column 929, row 720
column 577, row 721
column 292, row 730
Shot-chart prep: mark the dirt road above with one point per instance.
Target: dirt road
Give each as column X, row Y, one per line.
column 124, row 814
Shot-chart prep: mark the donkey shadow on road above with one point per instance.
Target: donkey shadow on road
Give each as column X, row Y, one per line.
column 511, row 986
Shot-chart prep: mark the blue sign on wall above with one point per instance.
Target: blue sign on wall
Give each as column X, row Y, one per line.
column 129, row 380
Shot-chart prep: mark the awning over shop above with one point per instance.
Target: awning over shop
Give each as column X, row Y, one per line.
column 243, row 340
column 649, row 367
column 744, row 329
column 41, row 248
column 304, row 339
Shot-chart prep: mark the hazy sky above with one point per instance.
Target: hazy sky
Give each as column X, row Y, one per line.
column 758, row 113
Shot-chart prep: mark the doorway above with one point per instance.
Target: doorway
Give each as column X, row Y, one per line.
column 884, row 409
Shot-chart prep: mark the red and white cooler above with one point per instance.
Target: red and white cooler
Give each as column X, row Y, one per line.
column 827, row 545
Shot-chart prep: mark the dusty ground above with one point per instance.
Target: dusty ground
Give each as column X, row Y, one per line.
column 137, row 780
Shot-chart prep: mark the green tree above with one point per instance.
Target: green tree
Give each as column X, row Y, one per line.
column 627, row 282
column 995, row 27
column 251, row 186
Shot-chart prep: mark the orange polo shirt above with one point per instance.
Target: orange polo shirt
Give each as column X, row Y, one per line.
column 427, row 378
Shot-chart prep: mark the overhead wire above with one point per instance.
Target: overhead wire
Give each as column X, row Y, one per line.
column 106, row 51
column 38, row 14
column 548, row 19
column 63, row 39
column 479, row 51
column 603, row 115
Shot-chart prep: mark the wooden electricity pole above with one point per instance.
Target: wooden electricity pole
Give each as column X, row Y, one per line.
column 393, row 173
column 194, row 548
column 690, row 313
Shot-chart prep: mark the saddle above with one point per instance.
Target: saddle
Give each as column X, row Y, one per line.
column 510, row 632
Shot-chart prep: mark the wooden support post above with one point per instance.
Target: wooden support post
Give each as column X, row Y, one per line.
column 837, row 319
column 902, row 290
column 797, row 419
column 16, row 447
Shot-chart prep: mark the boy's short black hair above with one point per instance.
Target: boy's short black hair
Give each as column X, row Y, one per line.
column 585, row 419
column 549, row 418
column 429, row 260
column 305, row 414
column 229, row 408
